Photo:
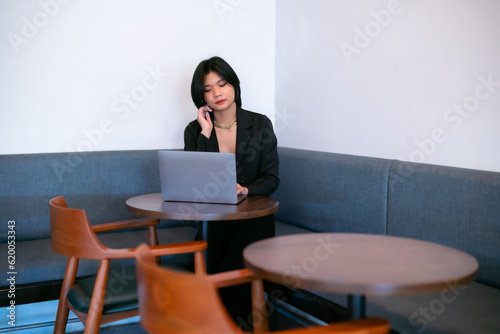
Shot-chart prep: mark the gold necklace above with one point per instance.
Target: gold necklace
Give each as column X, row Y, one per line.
column 229, row 126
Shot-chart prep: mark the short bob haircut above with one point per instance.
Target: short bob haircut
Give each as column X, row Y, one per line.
column 223, row 69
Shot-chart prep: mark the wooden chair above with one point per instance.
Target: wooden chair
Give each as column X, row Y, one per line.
column 177, row 302
column 74, row 237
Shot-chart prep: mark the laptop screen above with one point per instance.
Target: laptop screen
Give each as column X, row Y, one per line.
column 207, row 177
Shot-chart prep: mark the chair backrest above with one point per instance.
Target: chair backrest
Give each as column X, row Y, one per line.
column 71, row 232
column 176, row 302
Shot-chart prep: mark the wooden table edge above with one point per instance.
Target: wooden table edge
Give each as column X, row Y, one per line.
column 376, row 290
column 205, row 216
column 350, row 289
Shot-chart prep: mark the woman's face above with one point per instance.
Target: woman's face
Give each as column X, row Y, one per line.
column 218, row 93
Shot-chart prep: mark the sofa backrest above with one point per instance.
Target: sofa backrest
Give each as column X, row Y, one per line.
column 319, row 191
column 99, row 182
column 328, row 192
column 456, row 207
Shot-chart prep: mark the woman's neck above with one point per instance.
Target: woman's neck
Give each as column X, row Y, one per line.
column 226, row 116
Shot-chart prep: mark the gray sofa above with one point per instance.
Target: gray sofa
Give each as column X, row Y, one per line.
column 460, row 208
column 319, row 192
column 98, row 182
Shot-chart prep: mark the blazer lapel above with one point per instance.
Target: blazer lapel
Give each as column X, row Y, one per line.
column 243, row 132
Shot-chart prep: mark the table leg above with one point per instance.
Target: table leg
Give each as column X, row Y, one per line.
column 204, row 238
column 356, row 306
column 204, row 230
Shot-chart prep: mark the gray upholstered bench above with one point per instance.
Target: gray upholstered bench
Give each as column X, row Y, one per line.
column 460, row 208
column 99, row 183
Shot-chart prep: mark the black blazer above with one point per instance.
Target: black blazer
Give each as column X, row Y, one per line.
column 257, row 162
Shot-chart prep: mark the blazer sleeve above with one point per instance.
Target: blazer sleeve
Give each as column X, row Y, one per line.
column 266, row 144
column 195, row 141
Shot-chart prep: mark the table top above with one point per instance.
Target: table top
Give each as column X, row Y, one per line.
column 152, row 205
column 360, row 264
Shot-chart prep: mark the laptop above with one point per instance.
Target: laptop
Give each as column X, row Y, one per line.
column 204, row 177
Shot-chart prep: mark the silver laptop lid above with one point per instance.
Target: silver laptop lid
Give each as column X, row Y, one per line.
column 206, row 177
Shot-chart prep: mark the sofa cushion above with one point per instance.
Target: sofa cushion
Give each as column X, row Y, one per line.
column 459, row 310
column 37, row 262
column 469, row 309
column 98, row 182
column 456, row 207
column 282, row 228
column 328, row 192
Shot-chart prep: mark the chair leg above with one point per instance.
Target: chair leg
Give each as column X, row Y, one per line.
column 97, row 301
column 152, row 235
column 199, row 263
column 153, row 239
column 259, row 312
column 62, row 310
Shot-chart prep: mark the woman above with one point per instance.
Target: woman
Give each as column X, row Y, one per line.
column 223, row 126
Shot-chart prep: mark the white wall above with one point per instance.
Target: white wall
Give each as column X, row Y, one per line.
column 110, row 75
column 76, row 75
column 393, row 79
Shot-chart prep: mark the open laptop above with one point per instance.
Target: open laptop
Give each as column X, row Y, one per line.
column 206, row 177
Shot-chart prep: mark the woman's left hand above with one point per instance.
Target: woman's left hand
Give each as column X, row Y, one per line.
column 241, row 190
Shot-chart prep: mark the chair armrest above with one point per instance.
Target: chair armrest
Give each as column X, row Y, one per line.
column 233, row 277
column 133, row 223
column 168, row 249
column 179, row 248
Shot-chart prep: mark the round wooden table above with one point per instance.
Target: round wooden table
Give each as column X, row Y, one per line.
column 359, row 265
column 152, row 205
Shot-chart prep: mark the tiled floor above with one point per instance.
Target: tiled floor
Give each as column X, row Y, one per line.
column 39, row 318
column 277, row 321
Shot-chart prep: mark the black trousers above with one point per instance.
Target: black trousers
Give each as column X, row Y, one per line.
column 226, row 241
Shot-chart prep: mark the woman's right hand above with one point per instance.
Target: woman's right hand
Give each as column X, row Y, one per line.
column 205, row 121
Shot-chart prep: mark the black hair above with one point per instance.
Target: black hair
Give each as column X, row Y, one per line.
column 223, row 69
